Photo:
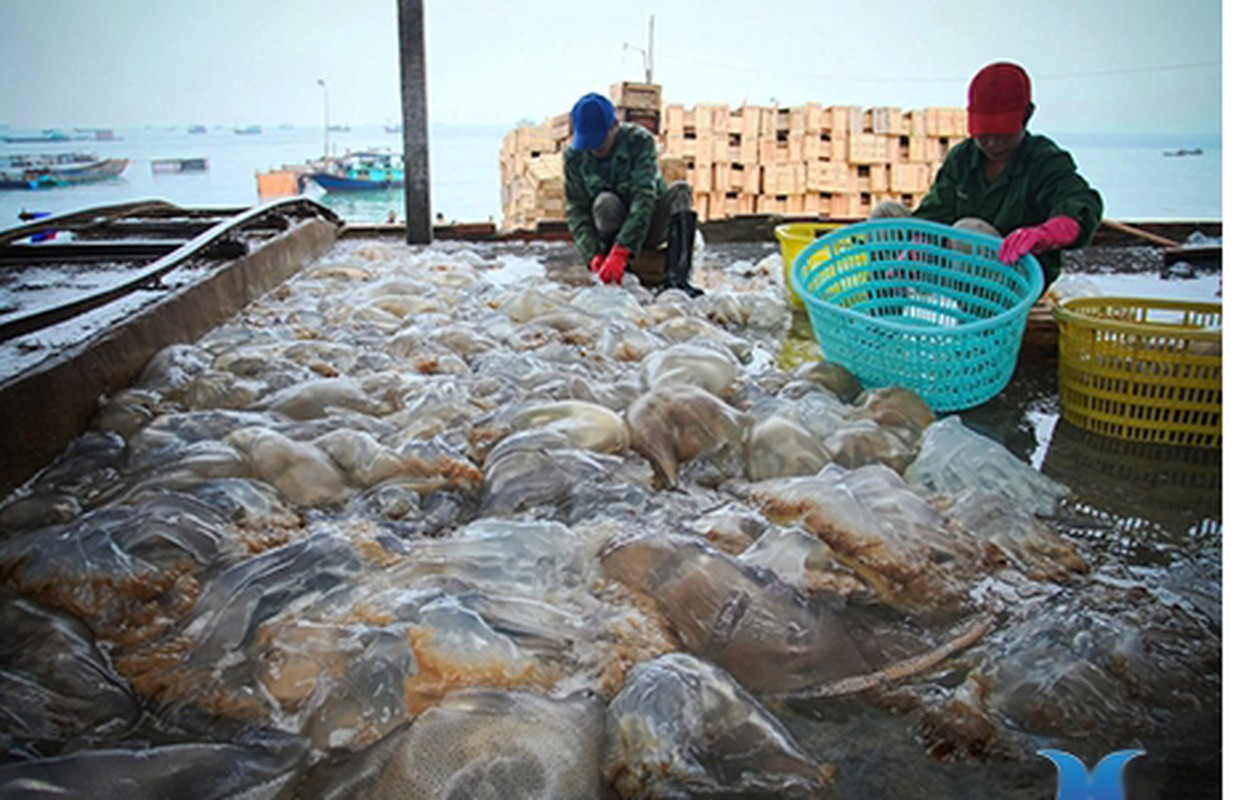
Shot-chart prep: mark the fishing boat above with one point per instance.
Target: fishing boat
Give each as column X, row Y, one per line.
column 249, row 130
column 47, row 135
column 1196, row 151
column 61, row 169
column 360, row 172
column 340, row 129
column 173, row 166
column 99, row 134
column 197, row 129
column 394, row 128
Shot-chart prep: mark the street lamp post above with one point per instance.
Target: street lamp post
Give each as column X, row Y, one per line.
column 325, row 92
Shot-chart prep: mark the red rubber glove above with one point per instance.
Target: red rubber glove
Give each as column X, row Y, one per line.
column 1054, row 232
column 613, row 267
column 596, row 263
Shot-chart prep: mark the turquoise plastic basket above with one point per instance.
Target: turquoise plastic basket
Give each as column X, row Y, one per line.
column 912, row 303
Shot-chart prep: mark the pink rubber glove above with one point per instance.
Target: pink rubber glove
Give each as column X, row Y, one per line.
column 613, row 267
column 1054, row 232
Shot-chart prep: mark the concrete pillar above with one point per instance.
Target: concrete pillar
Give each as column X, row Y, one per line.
column 415, row 120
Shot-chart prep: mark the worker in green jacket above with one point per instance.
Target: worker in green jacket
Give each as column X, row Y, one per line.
column 615, row 200
column 1021, row 184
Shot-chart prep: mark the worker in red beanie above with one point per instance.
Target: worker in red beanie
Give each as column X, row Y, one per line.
column 1022, row 184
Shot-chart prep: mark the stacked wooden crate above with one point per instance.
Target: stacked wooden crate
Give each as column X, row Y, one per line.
column 532, row 168
column 639, row 103
column 810, row 160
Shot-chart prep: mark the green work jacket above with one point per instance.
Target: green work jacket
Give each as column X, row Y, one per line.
column 1040, row 182
column 631, row 170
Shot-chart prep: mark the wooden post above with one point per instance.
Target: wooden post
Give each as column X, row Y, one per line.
column 415, row 120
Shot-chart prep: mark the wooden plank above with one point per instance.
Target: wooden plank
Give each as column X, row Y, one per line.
column 1123, row 227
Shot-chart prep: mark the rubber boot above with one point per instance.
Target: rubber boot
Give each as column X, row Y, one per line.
column 681, row 253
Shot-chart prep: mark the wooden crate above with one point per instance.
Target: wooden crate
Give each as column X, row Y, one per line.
column 650, row 120
column 828, row 176
column 867, row 148
column 885, row 120
column 909, row 178
column 702, row 202
column 739, row 204
column 767, row 123
column 637, row 96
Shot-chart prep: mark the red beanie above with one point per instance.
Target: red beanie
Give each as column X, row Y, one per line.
column 998, row 99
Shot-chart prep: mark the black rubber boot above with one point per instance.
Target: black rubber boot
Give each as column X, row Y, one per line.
column 681, row 253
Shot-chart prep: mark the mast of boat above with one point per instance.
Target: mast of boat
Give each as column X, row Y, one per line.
column 325, row 94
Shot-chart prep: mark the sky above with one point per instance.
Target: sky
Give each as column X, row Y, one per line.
column 1098, row 66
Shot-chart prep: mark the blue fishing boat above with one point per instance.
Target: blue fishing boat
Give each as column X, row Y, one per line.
column 360, row 172
column 249, row 130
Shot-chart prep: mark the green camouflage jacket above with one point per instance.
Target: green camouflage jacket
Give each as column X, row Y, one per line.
column 631, row 171
column 1040, row 182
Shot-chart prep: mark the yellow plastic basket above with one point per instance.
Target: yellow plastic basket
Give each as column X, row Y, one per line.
column 793, row 238
column 1142, row 369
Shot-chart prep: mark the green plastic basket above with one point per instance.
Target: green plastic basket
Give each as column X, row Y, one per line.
column 917, row 304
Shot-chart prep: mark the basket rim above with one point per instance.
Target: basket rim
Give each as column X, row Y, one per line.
column 1031, row 266
column 1068, row 311
column 784, row 233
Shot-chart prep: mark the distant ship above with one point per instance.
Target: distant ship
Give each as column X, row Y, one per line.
column 197, row 129
column 340, row 129
column 250, row 130
column 170, row 166
column 1196, row 151
column 47, row 135
column 394, row 128
column 100, row 134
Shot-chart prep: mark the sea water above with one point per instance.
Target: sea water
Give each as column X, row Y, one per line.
column 464, row 170
column 1135, row 178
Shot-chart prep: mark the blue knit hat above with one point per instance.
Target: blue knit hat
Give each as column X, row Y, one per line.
column 592, row 118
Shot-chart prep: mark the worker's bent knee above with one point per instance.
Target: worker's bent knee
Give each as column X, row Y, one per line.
column 681, row 197
column 889, row 209
column 609, row 213
column 977, row 225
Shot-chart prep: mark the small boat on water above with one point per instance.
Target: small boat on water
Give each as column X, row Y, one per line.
column 60, row 169
column 174, row 166
column 46, row 135
column 339, row 129
column 394, row 128
column 1196, row 151
column 249, row 130
column 360, row 172
column 197, row 129
column 99, row 134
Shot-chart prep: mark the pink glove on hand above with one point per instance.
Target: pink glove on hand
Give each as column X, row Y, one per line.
column 1054, row 232
column 596, row 263
column 613, row 267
